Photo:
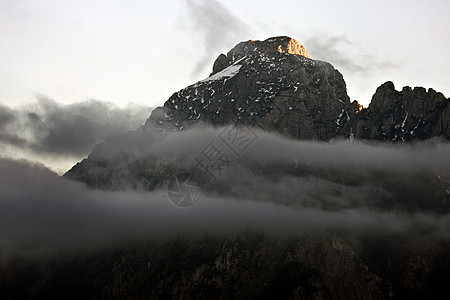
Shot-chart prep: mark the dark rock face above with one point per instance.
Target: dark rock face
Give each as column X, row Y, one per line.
column 272, row 85
column 319, row 265
column 404, row 116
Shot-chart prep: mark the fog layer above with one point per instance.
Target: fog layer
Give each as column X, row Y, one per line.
column 277, row 185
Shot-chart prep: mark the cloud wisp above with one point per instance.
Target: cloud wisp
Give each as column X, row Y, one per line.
column 217, row 26
column 343, row 53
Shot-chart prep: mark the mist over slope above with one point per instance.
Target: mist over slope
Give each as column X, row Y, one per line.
column 278, row 185
column 337, row 174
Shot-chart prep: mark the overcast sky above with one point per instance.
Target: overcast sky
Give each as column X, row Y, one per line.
column 143, row 51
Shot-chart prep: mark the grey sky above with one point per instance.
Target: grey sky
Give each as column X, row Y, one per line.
column 143, row 51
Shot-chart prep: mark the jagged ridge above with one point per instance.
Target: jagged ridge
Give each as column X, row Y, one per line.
column 404, row 115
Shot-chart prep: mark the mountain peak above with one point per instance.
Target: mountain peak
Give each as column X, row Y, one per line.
column 288, row 45
column 279, row 44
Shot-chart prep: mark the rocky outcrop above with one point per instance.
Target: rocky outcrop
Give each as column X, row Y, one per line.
column 272, row 84
column 404, row 115
column 282, row 44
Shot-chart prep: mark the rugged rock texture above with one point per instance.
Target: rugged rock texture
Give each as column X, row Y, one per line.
column 282, row 44
column 272, row 85
column 404, row 116
column 317, row 265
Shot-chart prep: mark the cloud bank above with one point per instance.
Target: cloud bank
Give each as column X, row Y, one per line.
column 278, row 186
column 51, row 129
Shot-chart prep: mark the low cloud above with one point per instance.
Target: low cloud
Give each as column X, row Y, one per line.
column 47, row 127
column 277, row 186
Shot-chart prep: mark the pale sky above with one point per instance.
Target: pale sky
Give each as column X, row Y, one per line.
column 144, row 51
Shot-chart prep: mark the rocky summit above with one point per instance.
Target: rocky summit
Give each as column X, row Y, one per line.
column 282, row 44
column 272, row 85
